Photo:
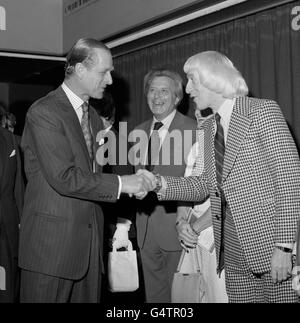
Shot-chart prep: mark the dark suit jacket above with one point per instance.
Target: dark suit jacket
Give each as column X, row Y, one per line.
column 163, row 214
column 62, row 191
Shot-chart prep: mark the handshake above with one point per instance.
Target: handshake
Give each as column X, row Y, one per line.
column 139, row 184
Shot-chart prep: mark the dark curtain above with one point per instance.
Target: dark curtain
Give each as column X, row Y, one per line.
column 263, row 46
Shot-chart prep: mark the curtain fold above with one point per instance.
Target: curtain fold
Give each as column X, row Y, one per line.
column 263, row 46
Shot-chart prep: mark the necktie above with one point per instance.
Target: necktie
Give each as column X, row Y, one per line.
column 153, row 146
column 219, row 149
column 219, row 158
column 86, row 129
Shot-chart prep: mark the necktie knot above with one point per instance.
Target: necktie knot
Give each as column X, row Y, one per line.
column 157, row 125
column 218, row 118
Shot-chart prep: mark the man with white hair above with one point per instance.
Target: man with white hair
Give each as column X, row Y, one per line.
column 252, row 176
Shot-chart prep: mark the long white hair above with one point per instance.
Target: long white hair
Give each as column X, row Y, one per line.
column 217, row 73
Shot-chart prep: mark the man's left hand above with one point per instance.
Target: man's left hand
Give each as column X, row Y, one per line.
column 281, row 265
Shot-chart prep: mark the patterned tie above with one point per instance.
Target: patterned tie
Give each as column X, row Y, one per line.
column 153, row 146
column 219, row 149
column 86, row 129
column 219, row 158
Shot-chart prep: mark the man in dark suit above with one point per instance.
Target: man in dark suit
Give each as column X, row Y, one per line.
column 252, row 176
column 155, row 221
column 11, row 202
column 61, row 226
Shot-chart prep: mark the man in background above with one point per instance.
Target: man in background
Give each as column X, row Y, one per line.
column 155, row 221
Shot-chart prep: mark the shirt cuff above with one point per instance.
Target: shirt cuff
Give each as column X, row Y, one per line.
column 285, row 245
column 120, row 187
column 163, row 189
column 124, row 221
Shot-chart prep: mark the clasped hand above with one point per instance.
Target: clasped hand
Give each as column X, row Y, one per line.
column 139, row 184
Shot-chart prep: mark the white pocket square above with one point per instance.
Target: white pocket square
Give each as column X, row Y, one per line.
column 12, row 153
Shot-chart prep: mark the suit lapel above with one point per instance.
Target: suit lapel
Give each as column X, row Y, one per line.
column 96, row 126
column 238, row 128
column 72, row 122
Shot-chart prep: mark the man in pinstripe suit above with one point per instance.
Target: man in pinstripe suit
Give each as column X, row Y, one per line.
column 258, row 199
column 61, row 227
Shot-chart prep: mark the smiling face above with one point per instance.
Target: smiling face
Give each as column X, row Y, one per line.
column 161, row 97
column 95, row 77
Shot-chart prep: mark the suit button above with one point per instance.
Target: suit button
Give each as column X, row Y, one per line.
column 90, row 226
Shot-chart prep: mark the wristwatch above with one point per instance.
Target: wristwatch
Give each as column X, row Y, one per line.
column 284, row 249
column 158, row 183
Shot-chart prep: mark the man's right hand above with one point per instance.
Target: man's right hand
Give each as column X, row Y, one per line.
column 135, row 184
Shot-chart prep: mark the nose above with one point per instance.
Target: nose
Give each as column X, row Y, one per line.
column 156, row 94
column 187, row 89
column 109, row 80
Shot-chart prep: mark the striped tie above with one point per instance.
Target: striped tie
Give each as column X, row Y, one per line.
column 153, row 146
column 219, row 149
column 86, row 129
column 219, row 158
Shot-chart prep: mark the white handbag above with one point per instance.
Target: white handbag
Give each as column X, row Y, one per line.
column 188, row 286
column 123, row 270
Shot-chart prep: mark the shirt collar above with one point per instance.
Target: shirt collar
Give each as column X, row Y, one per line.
column 74, row 99
column 166, row 121
column 225, row 110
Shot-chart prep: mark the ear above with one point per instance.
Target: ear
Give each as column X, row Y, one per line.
column 79, row 69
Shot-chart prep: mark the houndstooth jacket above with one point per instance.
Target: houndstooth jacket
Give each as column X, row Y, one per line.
column 261, row 180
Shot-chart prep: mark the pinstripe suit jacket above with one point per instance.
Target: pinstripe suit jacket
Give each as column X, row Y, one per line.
column 62, row 191
column 163, row 214
column 261, row 180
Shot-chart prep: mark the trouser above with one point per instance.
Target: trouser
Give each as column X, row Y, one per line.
column 242, row 285
column 40, row 288
column 159, row 267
